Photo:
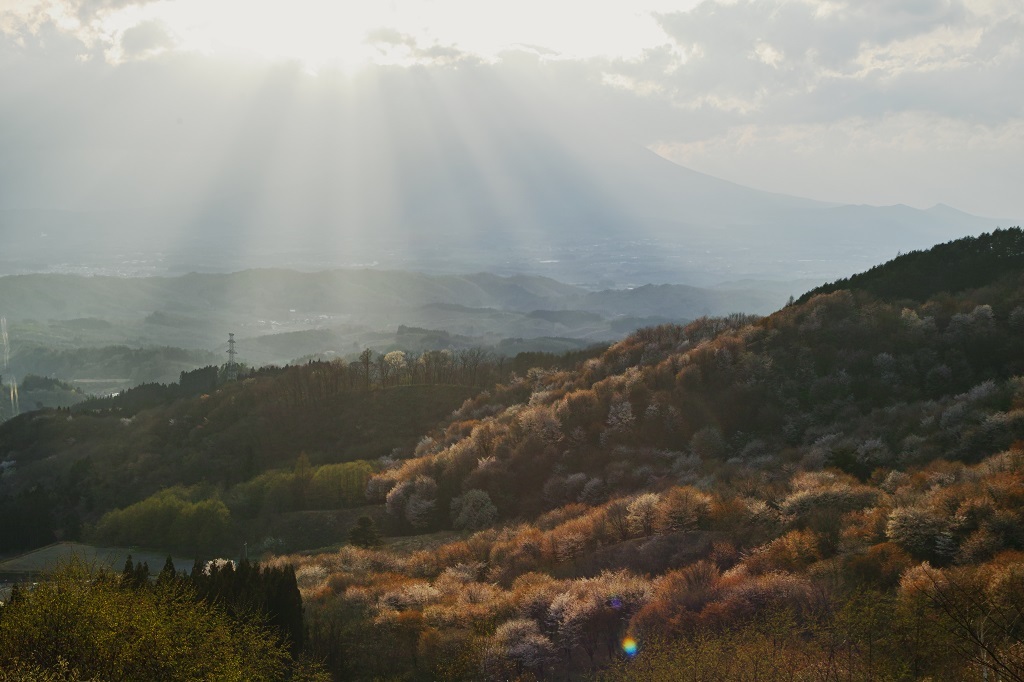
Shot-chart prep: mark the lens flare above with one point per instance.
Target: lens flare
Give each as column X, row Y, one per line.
column 629, row 646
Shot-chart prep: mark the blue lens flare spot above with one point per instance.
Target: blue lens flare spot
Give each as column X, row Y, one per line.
column 629, row 646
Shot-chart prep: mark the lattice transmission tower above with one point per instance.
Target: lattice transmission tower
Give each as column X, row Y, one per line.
column 232, row 368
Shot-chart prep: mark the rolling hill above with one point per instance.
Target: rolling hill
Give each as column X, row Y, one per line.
column 835, row 490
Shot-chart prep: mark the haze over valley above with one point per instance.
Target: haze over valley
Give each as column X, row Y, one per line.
column 596, row 211
column 439, row 340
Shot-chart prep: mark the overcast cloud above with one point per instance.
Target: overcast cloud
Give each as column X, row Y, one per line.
column 866, row 101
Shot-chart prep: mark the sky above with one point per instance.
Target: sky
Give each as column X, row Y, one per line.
column 111, row 102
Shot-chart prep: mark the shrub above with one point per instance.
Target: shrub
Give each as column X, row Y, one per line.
column 473, row 511
column 82, row 621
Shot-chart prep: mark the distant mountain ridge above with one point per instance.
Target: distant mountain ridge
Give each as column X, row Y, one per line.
column 82, row 328
column 364, row 292
column 598, row 212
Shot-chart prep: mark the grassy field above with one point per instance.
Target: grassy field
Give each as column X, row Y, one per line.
column 47, row 558
column 414, row 543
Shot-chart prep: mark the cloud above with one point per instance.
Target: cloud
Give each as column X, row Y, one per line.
column 397, row 47
column 88, row 10
column 872, row 101
column 809, row 59
column 390, row 37
column 868, row 101
column 146, row 38
column 47, row 27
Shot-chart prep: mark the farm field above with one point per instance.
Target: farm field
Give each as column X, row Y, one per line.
column 45, row 559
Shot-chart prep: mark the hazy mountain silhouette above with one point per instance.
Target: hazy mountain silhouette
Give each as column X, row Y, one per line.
column 403, row 178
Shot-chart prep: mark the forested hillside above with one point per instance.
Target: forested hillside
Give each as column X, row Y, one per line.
column 832, row 492
column 206, row 464
column 959, row 265
column 835, row 491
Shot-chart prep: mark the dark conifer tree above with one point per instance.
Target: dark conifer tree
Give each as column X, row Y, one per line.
column 167, row 573
column 364, row 533
column 128, row 573
column 140, row 576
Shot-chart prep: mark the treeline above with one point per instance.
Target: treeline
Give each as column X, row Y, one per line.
column 956, row 266
column 244, row 590
column 318, row 380
column 205, row 520
column 470, row 367
column 305, row 487
column 148, row 395
column 135, row 365
column 169, row 520
column 35, row 392
column 33, row 382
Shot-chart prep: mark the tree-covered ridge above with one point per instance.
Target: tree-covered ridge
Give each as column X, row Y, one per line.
column 831, row 492
column 208, row 462
column 842, row 381
column 967, row 263
column 204, row 464
column 205, row 520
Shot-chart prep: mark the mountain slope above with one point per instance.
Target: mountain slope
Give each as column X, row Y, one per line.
column 846, row 474
column 356, row 292
column 731, row 493
column 501, row 187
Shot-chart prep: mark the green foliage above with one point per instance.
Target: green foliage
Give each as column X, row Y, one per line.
column 84, row 464
column 198, row 521
column 79, row 624
column 473, row 511
column 331, row 486
column 168, row 520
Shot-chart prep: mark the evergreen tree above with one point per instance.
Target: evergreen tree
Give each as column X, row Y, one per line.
column 167, row 573
column 140, row 577
column 364, row 533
